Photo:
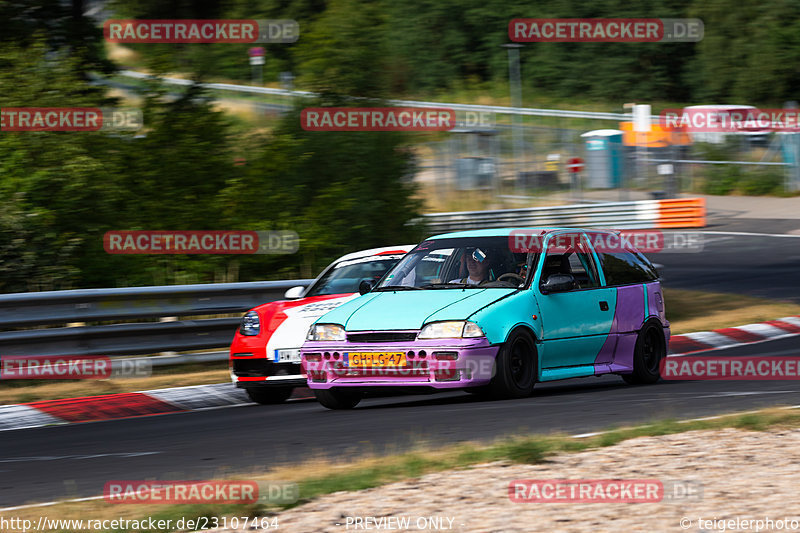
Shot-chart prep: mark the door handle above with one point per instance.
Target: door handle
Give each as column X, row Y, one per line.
column 604, row 306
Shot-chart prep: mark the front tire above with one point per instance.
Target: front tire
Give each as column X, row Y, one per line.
column 516, row 367
column 650, row 349
column 337, row 398
column 269, row 396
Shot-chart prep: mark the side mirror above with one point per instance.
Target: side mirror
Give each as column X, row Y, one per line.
column 558, row 283
column 365, row 286
column 294, row 293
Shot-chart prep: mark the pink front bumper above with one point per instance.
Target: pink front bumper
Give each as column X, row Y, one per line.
column 430, row 363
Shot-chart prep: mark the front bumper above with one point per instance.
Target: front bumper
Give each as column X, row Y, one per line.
column 255, row 370
column 429, row 363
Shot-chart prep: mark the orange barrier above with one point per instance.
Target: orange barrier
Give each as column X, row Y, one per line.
column 681, row 213
column 658, row 137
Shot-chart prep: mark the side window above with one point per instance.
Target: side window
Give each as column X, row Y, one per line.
column 626, row 268
column 570, row 254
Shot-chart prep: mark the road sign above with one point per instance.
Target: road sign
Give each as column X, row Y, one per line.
column 575, row 164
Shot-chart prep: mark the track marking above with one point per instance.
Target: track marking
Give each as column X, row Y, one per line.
column 24, row 417
column 75, row 457
column 745, row 393
column 713, row 339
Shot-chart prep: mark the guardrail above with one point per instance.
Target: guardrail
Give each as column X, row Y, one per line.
column 527, row 111
column 134, row 303
column 644, row 214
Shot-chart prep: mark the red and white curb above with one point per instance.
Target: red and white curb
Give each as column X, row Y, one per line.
column 218, row 395
column 124, row 405
column 717, row 339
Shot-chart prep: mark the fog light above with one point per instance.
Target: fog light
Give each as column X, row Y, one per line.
column 447, row 356
column 450, row 374
column 313, row 357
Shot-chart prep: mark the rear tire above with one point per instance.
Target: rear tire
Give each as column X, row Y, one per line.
column 269, row 396
column 515, row 367
column 650, row 349
column 337, row 398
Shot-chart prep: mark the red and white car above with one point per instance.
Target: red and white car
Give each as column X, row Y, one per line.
column 265, row 353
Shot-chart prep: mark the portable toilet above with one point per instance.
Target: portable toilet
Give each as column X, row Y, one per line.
column 605, row 158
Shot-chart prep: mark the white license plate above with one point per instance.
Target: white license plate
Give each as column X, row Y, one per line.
column 291, row 355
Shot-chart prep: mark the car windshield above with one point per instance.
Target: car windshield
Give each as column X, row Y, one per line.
column 344, row 277
column 459, row 263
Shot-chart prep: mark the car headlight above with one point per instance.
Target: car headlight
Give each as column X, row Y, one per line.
column 326, row 332
column 451, row 329
column 251, row 324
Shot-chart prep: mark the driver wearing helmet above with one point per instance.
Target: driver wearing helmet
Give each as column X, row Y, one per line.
column 477, row 263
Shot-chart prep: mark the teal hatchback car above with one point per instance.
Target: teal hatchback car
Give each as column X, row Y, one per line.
column 495, row 311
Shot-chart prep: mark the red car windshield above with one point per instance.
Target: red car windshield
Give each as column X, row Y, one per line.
column 344, row 277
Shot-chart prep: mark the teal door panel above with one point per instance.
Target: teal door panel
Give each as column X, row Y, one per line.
column 574, row 351
column 575, row 325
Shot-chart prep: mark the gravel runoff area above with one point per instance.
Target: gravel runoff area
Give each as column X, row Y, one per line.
column 742, row 475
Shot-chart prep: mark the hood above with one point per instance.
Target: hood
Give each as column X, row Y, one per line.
column 410, row 310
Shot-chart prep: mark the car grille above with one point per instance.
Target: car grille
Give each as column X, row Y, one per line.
column 250, row 368
column 383, row 336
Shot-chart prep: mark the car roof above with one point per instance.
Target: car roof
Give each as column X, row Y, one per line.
column 400, row 249
column 505, row 232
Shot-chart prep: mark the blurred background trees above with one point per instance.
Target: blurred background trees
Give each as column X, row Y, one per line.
column 60, row 192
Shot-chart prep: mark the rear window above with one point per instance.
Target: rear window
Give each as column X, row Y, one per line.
column 626, row 268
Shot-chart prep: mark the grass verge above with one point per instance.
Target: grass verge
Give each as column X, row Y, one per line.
column 317, row 477
column 690, row 311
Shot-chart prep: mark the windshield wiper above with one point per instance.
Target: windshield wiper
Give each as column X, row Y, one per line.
column 453, row 285
column 396, row 288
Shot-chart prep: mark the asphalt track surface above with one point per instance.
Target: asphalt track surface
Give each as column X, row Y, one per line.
column 54, row 463
column 755, row 265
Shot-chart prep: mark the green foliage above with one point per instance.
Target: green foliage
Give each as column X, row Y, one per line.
column 748, row 53
column 750, row 180
column 63, row 25
column 721, row 179
column 762, row 181
column 758, row 181
column 343, row 50
column 341, row 191
column 381, row 47
column 51, row 184
column 61, row 191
